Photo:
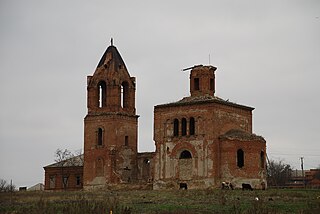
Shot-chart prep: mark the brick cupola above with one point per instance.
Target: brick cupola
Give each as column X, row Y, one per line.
column 202, row 80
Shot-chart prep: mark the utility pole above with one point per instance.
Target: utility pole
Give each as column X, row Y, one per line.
column 11, row 192
column 304, row 181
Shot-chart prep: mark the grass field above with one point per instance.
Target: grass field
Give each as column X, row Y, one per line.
column 168, row 201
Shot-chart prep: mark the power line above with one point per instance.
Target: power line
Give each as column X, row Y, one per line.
column 293, row 154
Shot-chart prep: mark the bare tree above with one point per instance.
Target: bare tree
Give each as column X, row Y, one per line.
column 6, row 187
column 62, row 155
column 3, row 185
column 65, row 158
column 278, row 173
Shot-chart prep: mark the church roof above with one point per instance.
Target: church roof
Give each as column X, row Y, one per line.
column 236, row 134
column 115, row 57
column 204, row 99
column 74, row 161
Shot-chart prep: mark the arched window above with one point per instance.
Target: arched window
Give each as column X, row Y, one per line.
column 121, row 95
column 100, row 137
column 184, row 127
column 185, row 155
column 176, row 127
column 262, row 159
column 192, row 126
column 124, row 94
column 240, row 158
column 102, row 91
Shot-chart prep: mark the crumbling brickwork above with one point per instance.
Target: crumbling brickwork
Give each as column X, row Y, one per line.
column 145, row 167
column 201, row 140
column 195, row 141
column 110, row 127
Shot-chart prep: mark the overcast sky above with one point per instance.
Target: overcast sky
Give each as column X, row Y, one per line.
column 267, row 54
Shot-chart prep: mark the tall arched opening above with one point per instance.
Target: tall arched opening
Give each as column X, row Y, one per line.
column 185, row 165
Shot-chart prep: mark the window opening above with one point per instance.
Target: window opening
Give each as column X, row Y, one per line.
column 121, row 92
column 65, row 181
column 240, row 158
column 184, row 127
column 192, row 126
column 102, row 94
column 185, row 155
column 176, row 127
column 124, row 94
column 211, row 84
column 262, row 159
column 78, row 180
column 196, row 84
column 100, row 136
column 52, row 183
column 183, row 186
column 167, row 128
column 126, row 140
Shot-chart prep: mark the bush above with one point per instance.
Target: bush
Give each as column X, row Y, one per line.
column 5, row 187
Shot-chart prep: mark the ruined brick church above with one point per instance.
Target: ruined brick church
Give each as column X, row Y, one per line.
column 201, row 140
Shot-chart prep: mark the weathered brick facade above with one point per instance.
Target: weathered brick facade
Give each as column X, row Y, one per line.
column 64, row 175
column 203, row 140
column 111, row 125
column 54, row 178
column 200, row 140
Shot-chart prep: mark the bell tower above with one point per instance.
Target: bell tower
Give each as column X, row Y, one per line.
column 202, row 80
column 111, row 123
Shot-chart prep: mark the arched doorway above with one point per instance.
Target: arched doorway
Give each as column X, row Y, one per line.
column 185, row 155
column 185, row 165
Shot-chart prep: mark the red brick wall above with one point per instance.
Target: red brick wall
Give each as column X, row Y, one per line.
column 252, row 168
column 58, row 173
column 212, row 160
column 205, row 74
column 115, row 161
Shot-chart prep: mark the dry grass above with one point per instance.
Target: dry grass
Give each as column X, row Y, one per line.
column 167, row 201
